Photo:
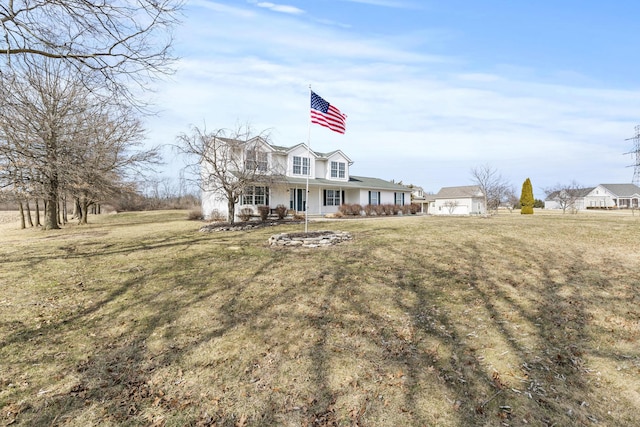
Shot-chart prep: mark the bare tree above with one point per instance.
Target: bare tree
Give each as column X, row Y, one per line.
column 117, row 42
column 493, row 187
column 58, row 139
column 108, row 155
column 566, row 196
column 227, row 162
column 451, row 206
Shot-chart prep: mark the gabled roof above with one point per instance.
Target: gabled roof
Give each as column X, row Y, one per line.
column 317, row 154
column 463, row 192
column 577, row 192
column 622, row 190
column 254, row 140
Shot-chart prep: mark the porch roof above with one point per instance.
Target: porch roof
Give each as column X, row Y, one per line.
column 354, row 182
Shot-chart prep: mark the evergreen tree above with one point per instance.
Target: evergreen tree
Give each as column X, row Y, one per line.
column 526, row 198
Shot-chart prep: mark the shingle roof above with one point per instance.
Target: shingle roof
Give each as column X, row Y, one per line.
column 578, row 192
column 459, row 192
column 622, row 190
column 354, row 182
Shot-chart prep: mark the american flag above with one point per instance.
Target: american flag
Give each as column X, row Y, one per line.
column 325, row 114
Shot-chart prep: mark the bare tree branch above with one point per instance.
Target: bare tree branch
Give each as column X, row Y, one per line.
column 117, row 41
column 227, row 162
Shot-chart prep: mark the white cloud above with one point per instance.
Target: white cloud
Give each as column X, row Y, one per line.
column 412, row 116
column 280, row 8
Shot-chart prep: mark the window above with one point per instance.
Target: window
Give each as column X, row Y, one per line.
column 374, row 197
column 399, row 198
column 255, row 195
column 332, row 198
column 256, row 160
column 338, row 170
column 300, row 165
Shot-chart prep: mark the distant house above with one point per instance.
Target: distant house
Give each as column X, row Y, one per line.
column 572, row 199
column 419, row 197
column 330, row 183
column 603, row 196
column 620, row 196
column 465, row 200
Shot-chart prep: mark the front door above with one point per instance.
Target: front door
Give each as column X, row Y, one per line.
column 297, row 199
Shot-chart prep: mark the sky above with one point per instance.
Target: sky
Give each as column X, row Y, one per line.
column 546, row 90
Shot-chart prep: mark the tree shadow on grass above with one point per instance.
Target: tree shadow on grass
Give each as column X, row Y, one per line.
column 351, row 335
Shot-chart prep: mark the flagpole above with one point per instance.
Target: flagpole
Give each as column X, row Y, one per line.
column 306, row 195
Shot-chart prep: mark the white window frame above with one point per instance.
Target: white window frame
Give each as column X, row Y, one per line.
column 332, row 197
column 301, row 165
column 255, row 195
column 374, row 200
column 256, row 160
column 338, row 170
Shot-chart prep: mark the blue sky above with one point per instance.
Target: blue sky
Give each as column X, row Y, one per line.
column 547, row 90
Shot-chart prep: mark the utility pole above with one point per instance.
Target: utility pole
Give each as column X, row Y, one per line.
column 635, row 152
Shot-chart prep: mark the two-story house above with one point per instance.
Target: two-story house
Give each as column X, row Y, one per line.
column 287, row 172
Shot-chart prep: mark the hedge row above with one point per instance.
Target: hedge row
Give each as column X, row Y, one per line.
column 378, row 210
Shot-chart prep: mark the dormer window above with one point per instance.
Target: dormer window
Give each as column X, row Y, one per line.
column 256, row 160
column 338, row 170
column 300, row 165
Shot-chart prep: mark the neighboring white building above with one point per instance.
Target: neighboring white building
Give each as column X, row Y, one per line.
column 620, row 196
column 329, row 179
column 419, row 197
column 571, row 199
column 465, row 200
column 604, row 196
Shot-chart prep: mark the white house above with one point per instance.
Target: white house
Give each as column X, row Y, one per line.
column 620, row 196
column 604, row 196
column 419, row 197
column 291, row 169
column 572, row 199
column 465, row 200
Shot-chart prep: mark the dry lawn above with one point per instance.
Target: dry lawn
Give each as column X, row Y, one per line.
column 139, row 319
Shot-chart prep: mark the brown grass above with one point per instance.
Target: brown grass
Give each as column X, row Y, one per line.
column 138, row 319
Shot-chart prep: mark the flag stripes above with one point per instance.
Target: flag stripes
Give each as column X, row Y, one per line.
column 325, row 114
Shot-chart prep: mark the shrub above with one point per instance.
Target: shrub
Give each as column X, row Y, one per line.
column 217, row 216
column 384, row 209
column 415, row 208
column 245, row 214
column 406, row 210
column 263, row 211
column 195, row 215
column 281, row 211
column 369, row 210
column 353, row 209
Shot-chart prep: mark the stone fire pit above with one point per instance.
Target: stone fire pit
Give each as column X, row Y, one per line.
column 311, row 239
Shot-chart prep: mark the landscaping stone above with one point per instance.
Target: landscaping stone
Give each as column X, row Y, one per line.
column 312, row 239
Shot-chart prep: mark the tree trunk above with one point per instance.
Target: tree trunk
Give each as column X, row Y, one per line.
column 84, row 203
column 38, row 223
column 65, row 217
column 26, row 202
column 22, row 223
column 51, row 207
column 231, row 205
